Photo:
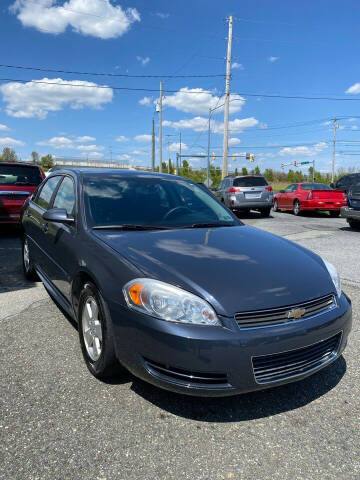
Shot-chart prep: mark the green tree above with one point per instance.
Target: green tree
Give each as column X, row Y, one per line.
column 244, row 171
column 291, row 176
column 269, row 175
column 35, row 157
column 257, row 170
column 47, row 162
column 9, row 155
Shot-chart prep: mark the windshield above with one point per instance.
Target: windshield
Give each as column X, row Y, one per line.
column 315, row 186
column 19, row 175
column 151, row 201
column 249, row 182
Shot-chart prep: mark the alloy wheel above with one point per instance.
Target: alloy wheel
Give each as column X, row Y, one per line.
column 92, row 329
column 26, row 256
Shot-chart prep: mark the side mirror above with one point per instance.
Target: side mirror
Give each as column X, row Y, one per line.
column 58, row 215
column 281, row 191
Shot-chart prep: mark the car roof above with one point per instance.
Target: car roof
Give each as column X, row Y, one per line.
column 101, row 172
column 244, row 176
column 21, row 164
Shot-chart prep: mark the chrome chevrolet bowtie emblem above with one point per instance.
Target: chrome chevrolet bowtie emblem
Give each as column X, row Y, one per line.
column 296, row 313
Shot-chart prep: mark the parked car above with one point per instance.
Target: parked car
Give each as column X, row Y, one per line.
column 246, row 192
column 166, row 281
column 17, row 182
column 352, row 211
column 300, row 197
column 344, row 183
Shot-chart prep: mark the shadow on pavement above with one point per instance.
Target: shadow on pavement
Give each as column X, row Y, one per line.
column 11, row 272
column 248, row 406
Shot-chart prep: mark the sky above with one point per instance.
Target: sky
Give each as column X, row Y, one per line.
column 306, row 49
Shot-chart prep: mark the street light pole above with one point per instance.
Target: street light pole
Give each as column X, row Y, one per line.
column 227, row 98
column 335, row 126
column 208, row 153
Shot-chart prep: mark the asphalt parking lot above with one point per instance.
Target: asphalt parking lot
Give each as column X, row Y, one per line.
column 59, row 422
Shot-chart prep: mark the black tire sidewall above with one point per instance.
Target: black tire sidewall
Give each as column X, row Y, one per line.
column 104, row 366
column 276, row 207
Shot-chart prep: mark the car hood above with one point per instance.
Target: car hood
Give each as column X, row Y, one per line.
column 234, row 268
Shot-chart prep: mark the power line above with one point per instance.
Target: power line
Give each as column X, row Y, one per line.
column 176, row 91
column 38, row 69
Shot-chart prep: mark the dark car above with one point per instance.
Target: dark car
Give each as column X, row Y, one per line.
column 352, row 211
column 344, row 183
column 17, row 182
column 166, row 281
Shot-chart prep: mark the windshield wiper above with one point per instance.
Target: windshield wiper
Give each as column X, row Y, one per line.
column 211, row 225
column 129, row 227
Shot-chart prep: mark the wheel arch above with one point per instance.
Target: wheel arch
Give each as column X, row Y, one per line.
column 80, row 279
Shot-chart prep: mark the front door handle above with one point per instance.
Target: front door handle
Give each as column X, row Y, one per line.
column 45, row 227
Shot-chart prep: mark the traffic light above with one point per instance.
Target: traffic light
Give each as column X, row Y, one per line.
column 295, row 163
column 234, row 157
column 282, row 165
column 252, row 157
column 214, row 156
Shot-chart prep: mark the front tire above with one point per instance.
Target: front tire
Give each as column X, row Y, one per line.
column 29, row 271
column 297, row 208
column 95, row 333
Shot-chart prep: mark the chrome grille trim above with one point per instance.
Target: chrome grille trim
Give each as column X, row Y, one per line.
column 294, row 363
column 274, row 316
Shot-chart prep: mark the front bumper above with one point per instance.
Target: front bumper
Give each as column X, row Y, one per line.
column 348, row 212
column 150, row 348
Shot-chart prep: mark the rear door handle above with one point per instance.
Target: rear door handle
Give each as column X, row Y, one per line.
column 45, row 227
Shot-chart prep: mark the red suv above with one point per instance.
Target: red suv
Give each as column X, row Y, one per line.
column 17, row 182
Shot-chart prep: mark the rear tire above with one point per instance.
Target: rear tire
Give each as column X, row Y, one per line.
column 334, row 213
column 95, row 333
column 297, row 208
column 276, row 206
column 29, row 271
column 353, row 223
column 265, row 212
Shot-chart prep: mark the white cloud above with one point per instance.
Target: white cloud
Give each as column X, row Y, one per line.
column 89, row 148
column 303, row 150
column 124, row 156
column 85, row 139
column 142, row 138
column 121, row 138
column 10, row 142
column 4, row 128
column 94, row 155
column 29, row 100
column 352, row 119
column 175, row 147
column 354, row 89
column 66, row 143
column 145, row 101
column 234, row 141
column 237, row 65
column 162, row 15
column 273, row 59
column 354, row 127
column 200, row 124
column 198, row 100
column 97, row 18
column 143, row 60
column 138, row 152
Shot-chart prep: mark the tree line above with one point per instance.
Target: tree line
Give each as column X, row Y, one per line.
column 9, row 155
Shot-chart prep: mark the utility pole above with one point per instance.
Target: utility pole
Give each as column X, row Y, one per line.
column 153, row 147
column 160, row 127
column 227, row 98
column 177, row 159
column 208, row 153
column 335, row 126
column 110, row 149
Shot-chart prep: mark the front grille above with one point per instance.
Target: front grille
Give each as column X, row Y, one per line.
column 187, row 378
column 282, row 366
column 274, row 316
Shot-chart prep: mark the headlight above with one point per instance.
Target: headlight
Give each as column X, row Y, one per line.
column 167, row 302
column 334, row 276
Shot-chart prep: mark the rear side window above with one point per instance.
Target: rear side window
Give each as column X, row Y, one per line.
column 315, row 186
column 44, row 197
column 250, row 182
column 356, row 190
column 65, row 196
column 20, row 175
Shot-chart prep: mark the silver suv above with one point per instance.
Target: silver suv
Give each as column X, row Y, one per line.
column 246, row 192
